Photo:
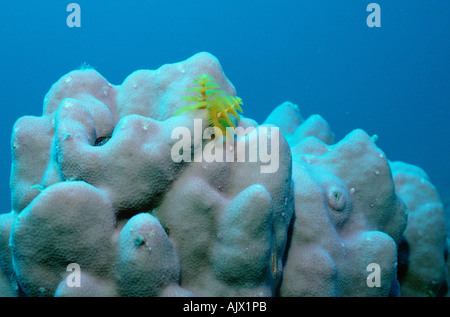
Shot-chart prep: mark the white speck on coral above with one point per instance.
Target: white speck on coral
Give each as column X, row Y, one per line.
column 352, row 190
column 68, row 79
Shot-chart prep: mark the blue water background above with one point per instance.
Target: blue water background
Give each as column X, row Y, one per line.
column 392, row 81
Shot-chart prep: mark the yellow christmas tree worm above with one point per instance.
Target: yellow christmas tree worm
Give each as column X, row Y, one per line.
column 217, row 103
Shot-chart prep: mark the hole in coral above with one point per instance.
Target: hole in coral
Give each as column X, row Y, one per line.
column 337, row 196
column 139, row 241
column 336, row 199
column 102, row 140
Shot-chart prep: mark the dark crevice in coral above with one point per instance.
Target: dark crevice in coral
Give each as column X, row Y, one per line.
column 102, row 140
column 403, row 259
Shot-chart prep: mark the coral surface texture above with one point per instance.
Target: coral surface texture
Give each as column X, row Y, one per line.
column 114, row 195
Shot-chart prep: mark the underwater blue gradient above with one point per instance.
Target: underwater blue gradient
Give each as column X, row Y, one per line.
column 392, row 81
